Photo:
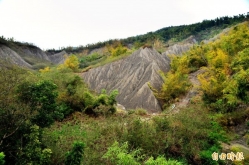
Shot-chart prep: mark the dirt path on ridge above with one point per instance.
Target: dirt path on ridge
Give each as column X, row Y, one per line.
column 191, row 93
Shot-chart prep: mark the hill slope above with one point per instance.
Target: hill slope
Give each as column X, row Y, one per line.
column 28, row 55
column 131, row 76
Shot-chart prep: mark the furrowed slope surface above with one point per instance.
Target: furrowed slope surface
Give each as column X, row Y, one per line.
column 28, row 56
column 58, row 58
column 131, row 76
column 11, row 56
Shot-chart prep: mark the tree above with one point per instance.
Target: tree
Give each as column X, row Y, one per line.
column 13, row 113
column 32, row 152
column 75, row 156
column 72, row 62
column 40, row 97
column 174, row 85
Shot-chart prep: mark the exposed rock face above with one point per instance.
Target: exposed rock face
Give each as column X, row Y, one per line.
column 10, row 55
column 19, row 55
column 58, row 58
column 33, row 52
column 131, row 76
column 178, row 49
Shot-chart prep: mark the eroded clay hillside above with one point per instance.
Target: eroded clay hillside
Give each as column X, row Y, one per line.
column 131, row 76
column 29, row 56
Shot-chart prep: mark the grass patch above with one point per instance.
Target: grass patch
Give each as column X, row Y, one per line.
column 106, row 60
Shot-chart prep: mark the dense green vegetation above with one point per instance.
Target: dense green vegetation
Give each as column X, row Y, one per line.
column 31, row 101
column 224, row 82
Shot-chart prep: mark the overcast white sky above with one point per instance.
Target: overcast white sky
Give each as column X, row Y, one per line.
column 58, row 23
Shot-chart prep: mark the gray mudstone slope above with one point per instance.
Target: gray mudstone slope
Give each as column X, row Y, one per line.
column 58, row 58
column 8, row 54
column 33, row 52
column 178, row 49
column 17, row 55
column 131, row 76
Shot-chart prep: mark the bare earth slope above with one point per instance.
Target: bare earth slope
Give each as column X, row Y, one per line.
column 10, row 55
column 58, row 58
column 131, row 76
column 26, row 56
column 178, row 49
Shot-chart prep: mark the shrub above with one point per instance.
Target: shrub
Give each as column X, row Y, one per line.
column 75, row 157
column 32, row 152
column 72, row 62
column 206, row 157
column 103, row 104
column 118, row 50
column 119, row 155
column 2, row 158
column 161, row 123
column 131, row 111
column 140, row 112
column 46, row 69
column 40, row 97
column 160, row 160
column 175, row 84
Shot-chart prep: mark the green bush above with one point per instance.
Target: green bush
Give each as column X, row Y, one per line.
column 131, row 111
column 206, row 157
column 119, row 50
column 60, row 137
column 161, row 123
column 140, row 111
column 40, row 97
column 175, row 84
column 160, row 160
column 33, row 152
column 90, row 59
column 75, row 157
column 2, row 158
column 100, row 105
column 118, row 155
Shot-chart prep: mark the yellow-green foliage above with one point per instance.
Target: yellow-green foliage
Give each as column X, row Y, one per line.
column 117, row 50
column 159, row 45
column 225, row 82
column 241, row 61
column 179, row 64
column 176, row 81
column 72, row 62
column 196, row 57
column 175, row 84
column 46, row 69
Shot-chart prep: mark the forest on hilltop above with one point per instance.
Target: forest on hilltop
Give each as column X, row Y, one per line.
column 173, row 33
